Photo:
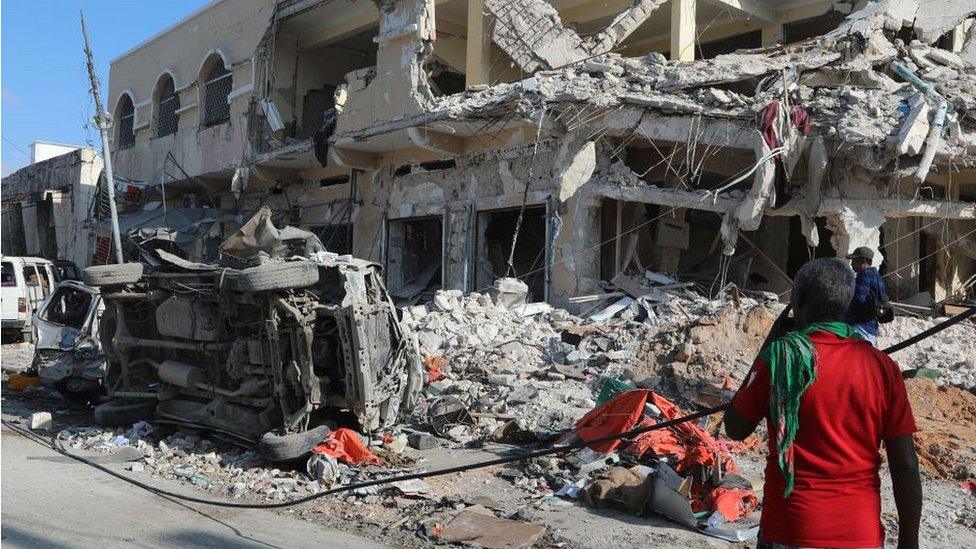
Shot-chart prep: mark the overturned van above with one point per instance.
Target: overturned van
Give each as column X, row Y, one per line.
column 260, row 354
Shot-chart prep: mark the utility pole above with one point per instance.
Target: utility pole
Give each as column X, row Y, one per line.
column 104, row 121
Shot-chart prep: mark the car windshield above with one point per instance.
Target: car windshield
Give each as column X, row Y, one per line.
column 68, row 306
column 7, row 277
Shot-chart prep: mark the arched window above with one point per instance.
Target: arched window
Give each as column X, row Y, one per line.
column 217, row 84
column 125, row 117
column 167, row 103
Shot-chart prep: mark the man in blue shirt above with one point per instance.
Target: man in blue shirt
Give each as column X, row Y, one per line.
column 869, row 292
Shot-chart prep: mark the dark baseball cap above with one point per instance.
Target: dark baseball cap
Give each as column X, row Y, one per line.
column 862, row 252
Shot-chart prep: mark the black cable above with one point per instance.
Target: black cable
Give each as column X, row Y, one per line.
column 56, row 445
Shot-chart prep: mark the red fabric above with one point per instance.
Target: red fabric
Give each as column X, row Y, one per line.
column 689, row 445
column 700, row 447
column 857, row 400
column 801, row 119
column 734, row 503
column 615, row 416
column 344, row 445
column 661, row 442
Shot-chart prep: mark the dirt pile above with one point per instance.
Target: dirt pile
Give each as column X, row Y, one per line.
column 946, row 438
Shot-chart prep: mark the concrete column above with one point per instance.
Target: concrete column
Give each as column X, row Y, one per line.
column 477, row 56
column 32, row 239
column 65, row 225
column 772, row 34
column 901, row 251
column 854, row 228
column 683, row 30
column 958, row 35
column 576, row 252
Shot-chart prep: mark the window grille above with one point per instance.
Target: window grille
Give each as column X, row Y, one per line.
column 336, row 237
column 216, row 108
column 167, row 120
column 126, row 121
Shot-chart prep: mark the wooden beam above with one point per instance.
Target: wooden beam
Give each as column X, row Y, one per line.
column 683, row 28
column 752, row 8
column 478, row 53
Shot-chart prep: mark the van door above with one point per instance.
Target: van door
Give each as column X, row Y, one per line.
column 12, row 292
column 36, row 286
column 52, row 278
column 70, row 312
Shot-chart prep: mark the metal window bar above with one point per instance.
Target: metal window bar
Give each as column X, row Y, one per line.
column 216, row 108
column 127, row 117
column 336, row 237
column 168, row 121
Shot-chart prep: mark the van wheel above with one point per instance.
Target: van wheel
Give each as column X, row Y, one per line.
column 277, row 276
column 116, row 413
column 275, row 448
column 112, row 275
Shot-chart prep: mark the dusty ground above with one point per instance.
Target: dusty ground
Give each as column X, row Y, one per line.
column 708, row 350
column 946, row 419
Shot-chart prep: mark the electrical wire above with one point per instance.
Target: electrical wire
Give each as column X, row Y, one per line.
column 56, row 444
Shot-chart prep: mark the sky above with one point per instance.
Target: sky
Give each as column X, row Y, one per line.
column 44, row 90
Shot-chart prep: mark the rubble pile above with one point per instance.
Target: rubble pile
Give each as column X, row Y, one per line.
column 845, row 77
column 950, row 354
column 547, row 368
column 193, row 458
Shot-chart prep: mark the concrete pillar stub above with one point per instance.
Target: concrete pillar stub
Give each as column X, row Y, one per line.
column 683, row 30
column 854, row 228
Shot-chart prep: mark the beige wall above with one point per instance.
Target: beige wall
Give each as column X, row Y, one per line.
column 231, row 29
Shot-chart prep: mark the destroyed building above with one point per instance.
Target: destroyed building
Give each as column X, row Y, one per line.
column 46, row 205
column 459, row 141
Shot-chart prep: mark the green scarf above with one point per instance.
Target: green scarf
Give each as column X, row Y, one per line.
column 792, row 369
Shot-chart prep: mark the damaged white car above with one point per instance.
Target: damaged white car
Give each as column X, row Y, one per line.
column 68, row 353
column 263, row 354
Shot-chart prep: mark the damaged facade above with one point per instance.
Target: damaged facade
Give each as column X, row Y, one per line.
column 456, row 142
column 46, row 203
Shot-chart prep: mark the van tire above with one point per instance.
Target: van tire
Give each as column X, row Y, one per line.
column 277, row 276
column 278, row 448
column 112, row 275
column 115, row 413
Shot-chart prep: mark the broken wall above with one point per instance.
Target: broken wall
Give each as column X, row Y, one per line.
column 483, row 181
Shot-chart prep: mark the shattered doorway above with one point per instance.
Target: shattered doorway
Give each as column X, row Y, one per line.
column 414, row 257
column 495, row 229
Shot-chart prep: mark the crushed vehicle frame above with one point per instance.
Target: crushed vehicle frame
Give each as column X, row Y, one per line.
column 261, row 354
column 68, row 352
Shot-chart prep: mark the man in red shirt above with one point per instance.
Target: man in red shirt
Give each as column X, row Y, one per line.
column 829, row 399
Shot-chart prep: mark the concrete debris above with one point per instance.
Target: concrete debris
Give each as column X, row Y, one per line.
column 533, row 34
column 38, row 421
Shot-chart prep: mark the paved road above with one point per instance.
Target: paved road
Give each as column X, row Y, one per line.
column 50, row 503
